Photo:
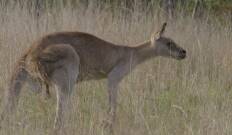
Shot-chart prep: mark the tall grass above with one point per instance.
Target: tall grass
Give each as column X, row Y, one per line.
column 161, row 97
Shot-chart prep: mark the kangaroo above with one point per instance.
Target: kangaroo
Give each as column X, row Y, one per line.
column 65, row 58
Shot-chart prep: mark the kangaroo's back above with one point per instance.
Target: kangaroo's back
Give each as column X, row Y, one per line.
column 97, row 56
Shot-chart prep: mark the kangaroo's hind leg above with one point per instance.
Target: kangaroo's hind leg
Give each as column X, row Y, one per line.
column 64, row 83
column 65, row 68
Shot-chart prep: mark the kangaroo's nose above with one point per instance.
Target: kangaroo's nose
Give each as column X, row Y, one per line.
column 182, row 54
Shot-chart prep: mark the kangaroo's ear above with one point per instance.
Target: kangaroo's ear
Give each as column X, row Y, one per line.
column 161, row 31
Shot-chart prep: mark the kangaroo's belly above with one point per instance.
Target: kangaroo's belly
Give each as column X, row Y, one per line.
column 86, row 74
column 93, row 67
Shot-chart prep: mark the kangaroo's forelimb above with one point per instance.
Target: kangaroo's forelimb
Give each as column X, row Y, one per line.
column 114, row 78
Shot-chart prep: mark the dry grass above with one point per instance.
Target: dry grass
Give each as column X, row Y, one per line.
column 161, row 97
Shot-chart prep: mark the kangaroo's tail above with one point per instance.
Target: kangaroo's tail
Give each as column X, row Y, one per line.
column 12, row 92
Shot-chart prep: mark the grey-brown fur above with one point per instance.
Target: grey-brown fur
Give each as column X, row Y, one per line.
column 65, row 58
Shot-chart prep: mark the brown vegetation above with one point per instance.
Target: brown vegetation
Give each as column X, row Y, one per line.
column 159, row 97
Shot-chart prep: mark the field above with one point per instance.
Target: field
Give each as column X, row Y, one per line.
column 161, row 97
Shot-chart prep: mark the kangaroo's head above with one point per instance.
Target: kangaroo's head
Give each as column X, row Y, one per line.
column 165, row 46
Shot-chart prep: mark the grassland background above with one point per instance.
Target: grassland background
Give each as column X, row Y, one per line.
column 160, row 97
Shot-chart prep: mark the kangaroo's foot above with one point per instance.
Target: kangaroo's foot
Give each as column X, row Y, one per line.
column 108, row 124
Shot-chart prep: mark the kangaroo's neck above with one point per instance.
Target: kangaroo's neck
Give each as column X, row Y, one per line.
column 144, row 51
